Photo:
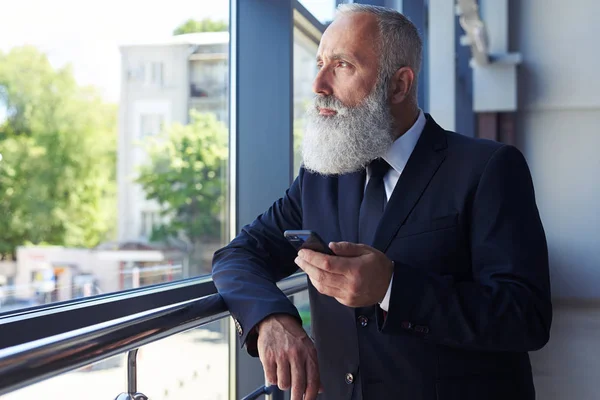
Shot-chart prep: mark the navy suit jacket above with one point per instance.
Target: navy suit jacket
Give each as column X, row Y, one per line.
column 470, row 294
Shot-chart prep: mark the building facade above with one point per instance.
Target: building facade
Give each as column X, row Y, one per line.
column 160, row 84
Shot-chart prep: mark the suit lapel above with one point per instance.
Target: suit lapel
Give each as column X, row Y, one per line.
column 426, row 158
column 350, row 193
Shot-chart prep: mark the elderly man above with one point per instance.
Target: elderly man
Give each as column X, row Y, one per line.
column 438, row 286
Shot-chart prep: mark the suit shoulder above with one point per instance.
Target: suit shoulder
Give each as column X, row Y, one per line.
column 476, row 146
column 478, row 155
column 484, row 147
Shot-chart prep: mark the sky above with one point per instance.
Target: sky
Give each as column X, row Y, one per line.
column 87, row 33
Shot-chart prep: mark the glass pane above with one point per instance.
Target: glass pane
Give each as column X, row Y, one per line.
column 191, row 365
column 305, row 69
column 123, row 122
column 101, row 381
column 301, row 301
column 323, row 10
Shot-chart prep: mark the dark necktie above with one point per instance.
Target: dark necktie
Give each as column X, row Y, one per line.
column 374, row 201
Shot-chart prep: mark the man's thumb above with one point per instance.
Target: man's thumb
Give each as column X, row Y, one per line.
column 347, row 249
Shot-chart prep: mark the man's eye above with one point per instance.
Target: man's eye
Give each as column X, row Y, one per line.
column 319, row 66
column 342, row 64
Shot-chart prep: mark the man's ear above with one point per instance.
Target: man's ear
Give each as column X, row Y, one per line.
column 401, row 85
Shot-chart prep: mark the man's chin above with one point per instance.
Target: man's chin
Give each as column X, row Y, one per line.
column 328, row 170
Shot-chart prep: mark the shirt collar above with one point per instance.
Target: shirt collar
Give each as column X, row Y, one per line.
column 400, row 151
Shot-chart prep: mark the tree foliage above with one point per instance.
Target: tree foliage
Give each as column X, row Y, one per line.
column 57, row 156
column 186, row 176
column 205, row 25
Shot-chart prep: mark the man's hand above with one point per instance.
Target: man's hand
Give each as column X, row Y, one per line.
column 357, row 276
column 288, row 356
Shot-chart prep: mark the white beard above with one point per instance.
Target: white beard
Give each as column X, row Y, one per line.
column 349, row 140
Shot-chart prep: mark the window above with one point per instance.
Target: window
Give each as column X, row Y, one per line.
column 323, row 10
column 162, row 372
column 150, row 220
column 305, row 70
column 77, row 218
column 156, row 73
column 209, row 71
column 151, row 124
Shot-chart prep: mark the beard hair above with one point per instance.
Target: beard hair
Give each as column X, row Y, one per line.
column 349, row 140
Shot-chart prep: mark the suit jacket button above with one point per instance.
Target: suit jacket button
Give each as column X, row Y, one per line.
column 238, row 327
column 349, row 378
column 406, row 325
column 363, row 321
column 421, row 329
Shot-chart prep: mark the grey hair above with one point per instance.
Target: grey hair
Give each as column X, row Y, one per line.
column 400, row 44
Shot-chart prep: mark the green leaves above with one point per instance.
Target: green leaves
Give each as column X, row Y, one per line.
column 205, row 25
column 186, row 175
column 58, row 146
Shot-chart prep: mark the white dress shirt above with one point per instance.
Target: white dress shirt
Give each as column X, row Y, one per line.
column 397, row 156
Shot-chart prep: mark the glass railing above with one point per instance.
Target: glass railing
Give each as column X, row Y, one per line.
column 176, row 331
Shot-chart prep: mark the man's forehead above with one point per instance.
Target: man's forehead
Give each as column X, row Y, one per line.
column 349, row 35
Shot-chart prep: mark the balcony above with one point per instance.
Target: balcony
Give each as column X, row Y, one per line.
column 209, row 90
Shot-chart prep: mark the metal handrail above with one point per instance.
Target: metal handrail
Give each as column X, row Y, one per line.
column 30, row 324
column 266, row 390
column 28, row 363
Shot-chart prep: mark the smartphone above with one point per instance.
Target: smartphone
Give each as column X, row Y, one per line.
column 307, row 240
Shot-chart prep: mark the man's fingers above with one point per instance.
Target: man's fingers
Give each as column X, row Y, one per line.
column 322, row 261
column 322, row 281
column 317, row 275
column 270, row 369
column 311, row 270
column 298, row 378
column 313, row 381
column 348, row 249
column 283, row 374
column 322, row 288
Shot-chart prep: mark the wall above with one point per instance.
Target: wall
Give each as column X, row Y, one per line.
column 78, row 261
column 558, row 126
column 139, row 97
column 7, row 269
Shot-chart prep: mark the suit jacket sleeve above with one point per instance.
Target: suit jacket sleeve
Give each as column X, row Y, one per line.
column 246, row 271
column 506, row 306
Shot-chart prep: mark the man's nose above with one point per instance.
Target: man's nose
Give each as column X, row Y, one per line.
column 321, row 84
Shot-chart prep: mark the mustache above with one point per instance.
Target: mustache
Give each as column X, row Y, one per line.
column 331, row 102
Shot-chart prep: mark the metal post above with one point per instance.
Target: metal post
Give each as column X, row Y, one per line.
column 261, row 148
column 463, row 103
column 132, row 393
column 417, row 12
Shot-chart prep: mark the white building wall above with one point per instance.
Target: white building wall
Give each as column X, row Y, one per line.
column 558, row 124
column 169, row 97
column 76, row 261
